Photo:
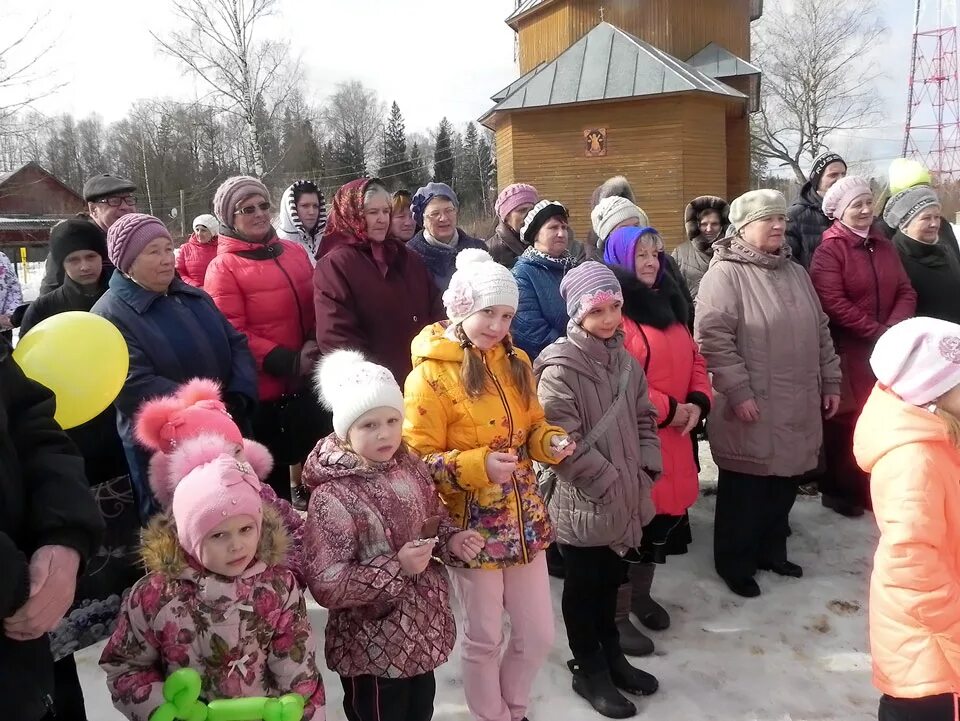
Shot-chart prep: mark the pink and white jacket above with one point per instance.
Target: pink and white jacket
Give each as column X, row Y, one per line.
column 248, row 636
column 382, row 622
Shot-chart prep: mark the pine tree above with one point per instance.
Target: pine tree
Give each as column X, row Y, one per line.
column 348, row 158
column 312, row 155
column 444, row 162
column 417, row 176
column 470, row 184
column 394, row 164
column 488, row 174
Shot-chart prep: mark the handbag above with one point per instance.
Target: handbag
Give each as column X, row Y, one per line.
column 112, row 570
column 547, row 476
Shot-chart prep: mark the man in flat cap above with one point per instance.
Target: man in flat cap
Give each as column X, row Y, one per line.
column 108, row 198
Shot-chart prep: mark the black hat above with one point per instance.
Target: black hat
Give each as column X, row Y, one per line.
column 820, row 164
column 100, row 186
column 73, row 235
column 538, row 216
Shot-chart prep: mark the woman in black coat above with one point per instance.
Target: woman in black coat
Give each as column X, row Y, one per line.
column 48, row 520
column 931, row 262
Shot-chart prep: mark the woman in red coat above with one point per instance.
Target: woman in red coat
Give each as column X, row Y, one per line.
column 262, row 284
column 864, row 290
column 195, row 255
column 655, row 315
column 371, row 293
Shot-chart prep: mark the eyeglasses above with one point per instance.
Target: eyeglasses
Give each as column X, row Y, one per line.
column 115, row 201
column 446, row 213
column 251, row 209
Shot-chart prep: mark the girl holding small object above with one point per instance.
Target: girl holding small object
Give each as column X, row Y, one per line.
column 595, row 389
column 216, row 598
column 374, row 527
column 472, row 413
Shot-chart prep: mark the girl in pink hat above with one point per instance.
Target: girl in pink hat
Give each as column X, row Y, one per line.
column 216, row 598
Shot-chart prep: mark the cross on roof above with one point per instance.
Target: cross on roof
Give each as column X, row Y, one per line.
column 601, row 13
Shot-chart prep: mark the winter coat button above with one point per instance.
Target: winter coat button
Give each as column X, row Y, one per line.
column 415, row 319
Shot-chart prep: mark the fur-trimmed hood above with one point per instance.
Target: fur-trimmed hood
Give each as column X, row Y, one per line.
column 332, row 460
column 697, row 206
column 161, row 552
column 657, row 308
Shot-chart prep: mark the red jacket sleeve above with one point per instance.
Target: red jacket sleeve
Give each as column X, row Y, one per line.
column 636, row 344
column 222, row 286
column 181, row 264
column 699, row 378
column 906, row 303
column 826, row 272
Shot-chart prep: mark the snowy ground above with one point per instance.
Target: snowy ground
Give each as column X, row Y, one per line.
column 797, row 653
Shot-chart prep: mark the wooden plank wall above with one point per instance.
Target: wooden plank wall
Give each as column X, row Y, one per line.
column 671, row 149
column 679, row 27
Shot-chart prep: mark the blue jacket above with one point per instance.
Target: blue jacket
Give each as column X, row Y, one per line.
column 541, row 314
column 171, row 339
column 442, row 261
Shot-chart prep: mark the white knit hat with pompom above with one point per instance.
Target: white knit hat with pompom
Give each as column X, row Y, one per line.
column 479, row 283
column 349, row 385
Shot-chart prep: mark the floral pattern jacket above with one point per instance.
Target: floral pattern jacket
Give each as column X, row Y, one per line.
column 382, row 622
column 248, row 636
column 453, row 433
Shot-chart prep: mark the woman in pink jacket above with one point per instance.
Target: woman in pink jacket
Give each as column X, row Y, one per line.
column 216, row 598
column 655, row 315
column 195, row 255
column 908, row 439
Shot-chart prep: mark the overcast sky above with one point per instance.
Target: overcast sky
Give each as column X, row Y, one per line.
column 434, row 57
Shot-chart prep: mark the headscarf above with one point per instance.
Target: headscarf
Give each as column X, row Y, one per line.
column 346, row 224
column 621, row 250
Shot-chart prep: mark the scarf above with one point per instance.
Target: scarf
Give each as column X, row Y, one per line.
column 565, row 262
column 310, row 237
column 620, row 250
column 346, row 224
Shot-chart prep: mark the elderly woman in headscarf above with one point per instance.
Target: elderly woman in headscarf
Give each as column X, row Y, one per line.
column 864, row 290
column 512, row 206
column 436, row 209
column 195, row 255
column 262, row 284
column 932, row 263
column 174, row 333
column 303, row 217
column 767, row 344
column 371, row 292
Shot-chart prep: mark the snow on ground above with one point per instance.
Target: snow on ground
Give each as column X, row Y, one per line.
column 797, row 653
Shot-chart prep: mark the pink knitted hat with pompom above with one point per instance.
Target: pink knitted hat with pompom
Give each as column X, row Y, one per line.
column 163, row 423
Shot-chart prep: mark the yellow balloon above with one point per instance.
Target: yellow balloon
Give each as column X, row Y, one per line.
column 79, row 356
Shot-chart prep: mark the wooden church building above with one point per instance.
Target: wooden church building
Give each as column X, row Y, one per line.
column 660, row 91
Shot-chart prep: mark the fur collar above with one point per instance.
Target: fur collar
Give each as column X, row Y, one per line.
column 657, row 308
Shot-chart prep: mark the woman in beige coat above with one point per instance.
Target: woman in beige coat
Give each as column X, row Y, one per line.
column 767, row 344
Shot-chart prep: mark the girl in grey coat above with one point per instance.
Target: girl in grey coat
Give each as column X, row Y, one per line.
column 593, row 388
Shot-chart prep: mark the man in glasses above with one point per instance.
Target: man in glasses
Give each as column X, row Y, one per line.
column 108, row 198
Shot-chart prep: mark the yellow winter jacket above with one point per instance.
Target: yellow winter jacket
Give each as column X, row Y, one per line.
column 454, row 433
column 915, row 586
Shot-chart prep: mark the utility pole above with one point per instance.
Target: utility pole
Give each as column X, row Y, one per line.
column 146, row 174
column 183, row 218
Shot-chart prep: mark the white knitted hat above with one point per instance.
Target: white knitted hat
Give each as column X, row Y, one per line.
column 349, row 385
column 610, row 212
column 479, row 283
column 918, row 359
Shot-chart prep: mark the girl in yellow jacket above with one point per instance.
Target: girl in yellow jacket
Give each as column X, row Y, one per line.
column 472, row 413
column 908, row 439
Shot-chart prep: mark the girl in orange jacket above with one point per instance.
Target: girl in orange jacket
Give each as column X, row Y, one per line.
column 908, row 439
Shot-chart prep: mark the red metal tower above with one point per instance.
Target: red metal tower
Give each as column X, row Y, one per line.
column 932, row 133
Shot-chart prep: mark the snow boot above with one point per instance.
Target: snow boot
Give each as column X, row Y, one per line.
column 651, row 614
column 629, row 678
column 632, row 641
column 591, row 680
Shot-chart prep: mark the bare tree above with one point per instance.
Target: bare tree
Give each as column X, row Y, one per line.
column 219, row 45
column 356, row 111
column 25, row 76
column 817, row 78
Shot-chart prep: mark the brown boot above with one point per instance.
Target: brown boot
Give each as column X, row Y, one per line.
column 651, row 614
column 632, row 642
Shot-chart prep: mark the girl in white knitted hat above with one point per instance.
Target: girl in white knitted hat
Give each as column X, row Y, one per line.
column 373, row 529
column 472, row 413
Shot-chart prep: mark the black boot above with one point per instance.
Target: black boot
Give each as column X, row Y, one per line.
column 591, row 680
column 632, row 641
column 629, row 678
column 555, row 564
column 651, row 614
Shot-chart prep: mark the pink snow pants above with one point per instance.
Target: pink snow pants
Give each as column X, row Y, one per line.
column 497, row 683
